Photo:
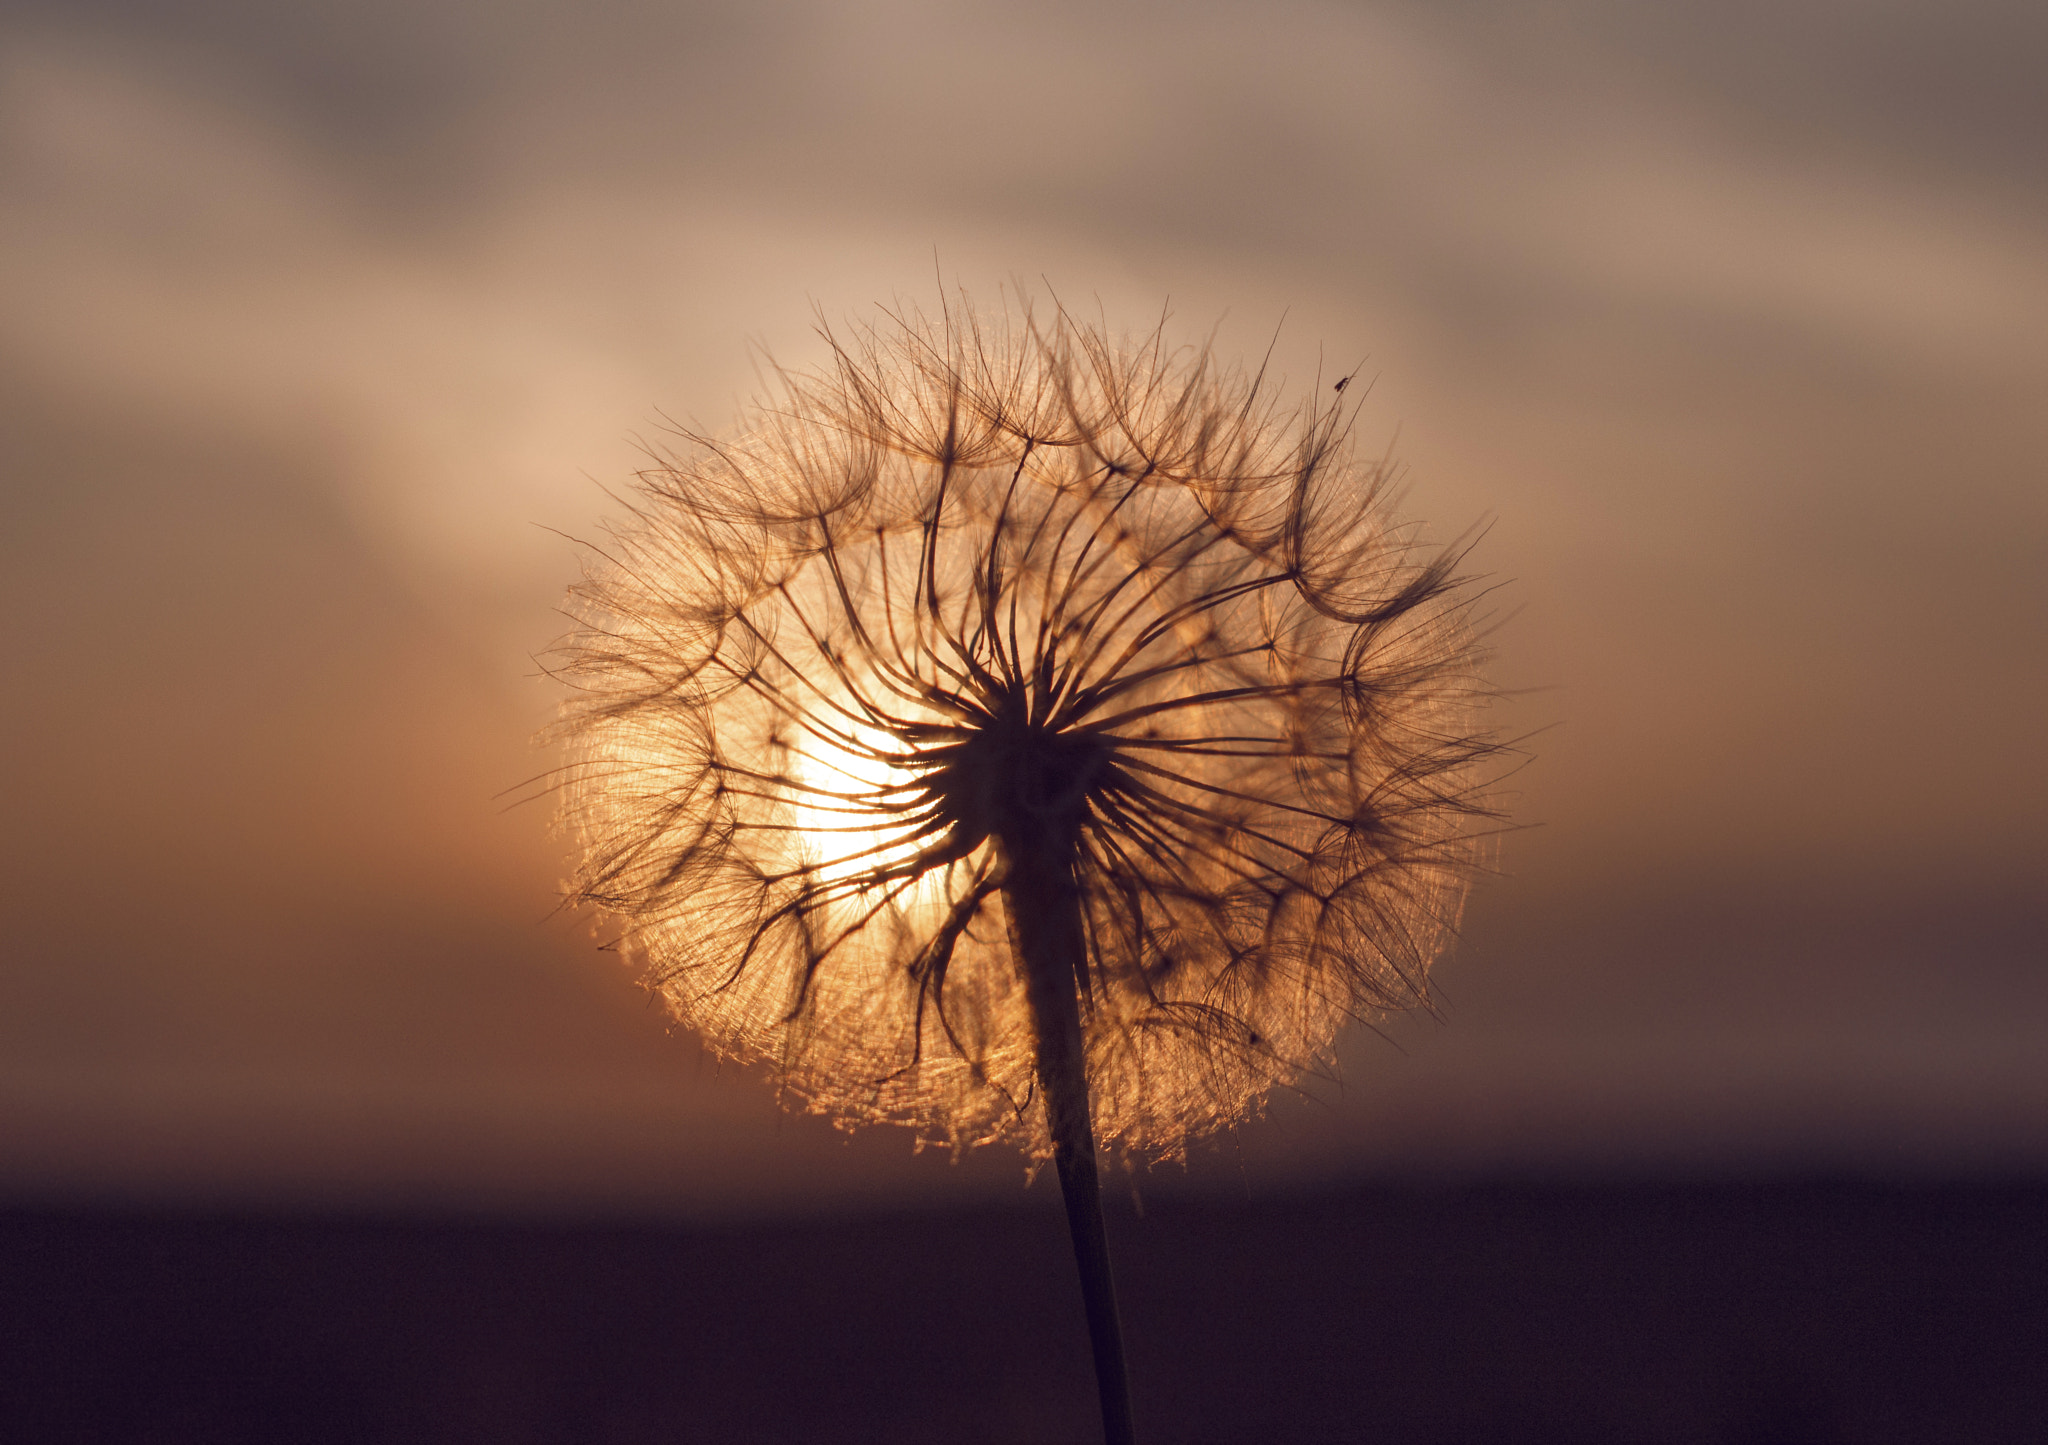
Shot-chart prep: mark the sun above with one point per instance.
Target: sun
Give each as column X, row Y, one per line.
column 852, row 807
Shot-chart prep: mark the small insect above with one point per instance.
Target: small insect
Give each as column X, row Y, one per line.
column 1342, row 382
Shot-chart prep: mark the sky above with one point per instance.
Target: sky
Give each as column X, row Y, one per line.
column 325, row 329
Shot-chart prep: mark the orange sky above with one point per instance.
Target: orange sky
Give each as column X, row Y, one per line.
column 1731, row 320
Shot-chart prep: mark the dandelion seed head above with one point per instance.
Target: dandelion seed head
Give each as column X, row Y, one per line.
column 1001, row 588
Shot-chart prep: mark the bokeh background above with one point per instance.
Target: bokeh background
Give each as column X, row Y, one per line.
column 325, row 327
column 321, row 322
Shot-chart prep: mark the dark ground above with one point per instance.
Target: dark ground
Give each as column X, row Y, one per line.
column 1793, row 1314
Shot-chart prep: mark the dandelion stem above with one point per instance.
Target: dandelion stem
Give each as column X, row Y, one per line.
column 1046, row 932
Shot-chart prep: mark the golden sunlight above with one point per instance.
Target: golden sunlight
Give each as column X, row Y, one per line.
column 835, row 786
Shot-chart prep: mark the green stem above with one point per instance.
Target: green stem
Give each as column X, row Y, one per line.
column 1045, row 930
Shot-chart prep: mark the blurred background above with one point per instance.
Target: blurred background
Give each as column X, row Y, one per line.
column 321, row 325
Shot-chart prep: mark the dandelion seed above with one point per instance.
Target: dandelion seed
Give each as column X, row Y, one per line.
column 1026, row 737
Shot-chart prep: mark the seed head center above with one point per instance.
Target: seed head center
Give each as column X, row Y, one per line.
column 1023, row 782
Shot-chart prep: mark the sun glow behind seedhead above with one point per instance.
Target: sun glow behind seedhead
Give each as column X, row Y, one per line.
column 852, row 805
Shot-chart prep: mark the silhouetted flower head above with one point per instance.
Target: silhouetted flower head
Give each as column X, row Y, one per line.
column 986, row 585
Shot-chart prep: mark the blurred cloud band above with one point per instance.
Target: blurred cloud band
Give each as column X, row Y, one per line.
column 313, row 319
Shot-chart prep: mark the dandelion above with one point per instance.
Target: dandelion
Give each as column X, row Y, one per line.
column 1026, row 736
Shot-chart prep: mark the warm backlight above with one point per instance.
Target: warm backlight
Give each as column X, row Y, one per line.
column 852, row 808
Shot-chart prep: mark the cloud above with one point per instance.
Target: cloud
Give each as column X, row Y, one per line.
column 1731, row 316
